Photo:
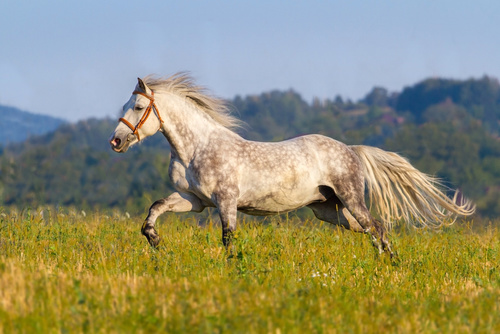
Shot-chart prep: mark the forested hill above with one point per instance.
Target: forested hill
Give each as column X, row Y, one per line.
column 17, row 125
column 448, row 128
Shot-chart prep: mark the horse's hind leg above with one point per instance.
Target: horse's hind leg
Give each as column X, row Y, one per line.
column 337, row 214
column 334, row 212
column 176, row 202
column 352, row 196
column 377, row 231
column 371, row 226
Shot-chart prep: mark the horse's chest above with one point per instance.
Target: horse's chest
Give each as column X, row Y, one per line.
column 177, row 174
column 192, row 179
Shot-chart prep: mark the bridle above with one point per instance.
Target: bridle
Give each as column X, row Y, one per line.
column 152, row 106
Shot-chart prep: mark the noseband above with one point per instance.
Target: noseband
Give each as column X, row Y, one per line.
column 152, row 106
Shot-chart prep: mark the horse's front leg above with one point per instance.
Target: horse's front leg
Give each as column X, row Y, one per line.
column 227, row 205
column 177, row 202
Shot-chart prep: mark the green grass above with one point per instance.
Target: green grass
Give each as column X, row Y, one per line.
column 69, row 273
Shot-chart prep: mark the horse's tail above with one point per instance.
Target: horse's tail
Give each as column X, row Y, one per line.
column 398, row 191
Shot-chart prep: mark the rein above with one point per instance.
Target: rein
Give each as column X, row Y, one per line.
column 152, row 106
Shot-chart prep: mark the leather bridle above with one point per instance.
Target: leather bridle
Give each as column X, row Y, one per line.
column 151, row 107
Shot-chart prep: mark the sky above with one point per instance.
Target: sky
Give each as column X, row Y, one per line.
column 81, row 59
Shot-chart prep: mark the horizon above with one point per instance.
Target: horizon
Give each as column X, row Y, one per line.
column 346, row 99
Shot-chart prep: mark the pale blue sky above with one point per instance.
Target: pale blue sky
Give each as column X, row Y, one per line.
column 80, row 59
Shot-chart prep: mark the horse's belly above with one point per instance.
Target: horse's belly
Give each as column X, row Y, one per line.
column 267, row 209
column 278, row 202
column 258, row 212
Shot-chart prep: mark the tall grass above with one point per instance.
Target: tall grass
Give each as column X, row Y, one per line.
column 69, row 273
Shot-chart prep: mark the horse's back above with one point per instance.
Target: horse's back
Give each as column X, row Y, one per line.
column 319, row 154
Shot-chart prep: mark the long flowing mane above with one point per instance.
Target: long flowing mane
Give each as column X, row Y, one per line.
column 183, row 84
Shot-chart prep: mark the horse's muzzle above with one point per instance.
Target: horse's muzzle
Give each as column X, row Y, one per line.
column 117, row 145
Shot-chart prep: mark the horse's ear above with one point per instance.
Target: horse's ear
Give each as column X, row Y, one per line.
column 143, row 86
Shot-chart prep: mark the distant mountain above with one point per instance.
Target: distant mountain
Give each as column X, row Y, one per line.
column 17, row 125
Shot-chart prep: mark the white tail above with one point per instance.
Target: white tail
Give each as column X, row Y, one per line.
column 398, row 191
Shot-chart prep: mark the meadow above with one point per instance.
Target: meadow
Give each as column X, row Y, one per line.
column 76, row 272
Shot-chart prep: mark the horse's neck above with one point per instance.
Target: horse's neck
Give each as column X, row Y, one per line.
column 186, row 127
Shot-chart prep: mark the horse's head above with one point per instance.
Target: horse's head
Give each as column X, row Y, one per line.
column 136, row 123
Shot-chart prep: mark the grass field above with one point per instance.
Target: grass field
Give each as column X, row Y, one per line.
column 96, row 273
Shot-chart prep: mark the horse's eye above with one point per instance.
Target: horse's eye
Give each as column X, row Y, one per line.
column 138, row 108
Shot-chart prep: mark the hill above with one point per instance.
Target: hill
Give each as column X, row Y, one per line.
column 18, row 125
column 449, row 130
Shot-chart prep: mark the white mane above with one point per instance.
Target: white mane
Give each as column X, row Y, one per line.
column 182, row 84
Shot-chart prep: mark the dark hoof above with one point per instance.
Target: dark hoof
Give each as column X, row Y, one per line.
column 227, row 238
column 153, row 237
column 154, row 241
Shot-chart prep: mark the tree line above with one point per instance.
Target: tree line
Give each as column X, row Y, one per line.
column 448, row 128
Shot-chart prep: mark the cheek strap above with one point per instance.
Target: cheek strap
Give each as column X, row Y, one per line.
column 151, row 106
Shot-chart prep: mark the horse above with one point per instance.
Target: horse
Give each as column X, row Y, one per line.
column 212, row 166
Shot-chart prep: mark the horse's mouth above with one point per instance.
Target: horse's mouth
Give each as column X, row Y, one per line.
column 122, row 145
column 120, row 150
column 118, row 145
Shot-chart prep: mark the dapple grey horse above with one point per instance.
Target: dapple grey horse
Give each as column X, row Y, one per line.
column 212, row 166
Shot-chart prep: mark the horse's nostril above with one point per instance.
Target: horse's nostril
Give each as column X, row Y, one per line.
column 116, row 142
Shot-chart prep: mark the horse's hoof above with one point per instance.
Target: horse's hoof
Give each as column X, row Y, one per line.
column 155, row 242
column 153, row 237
